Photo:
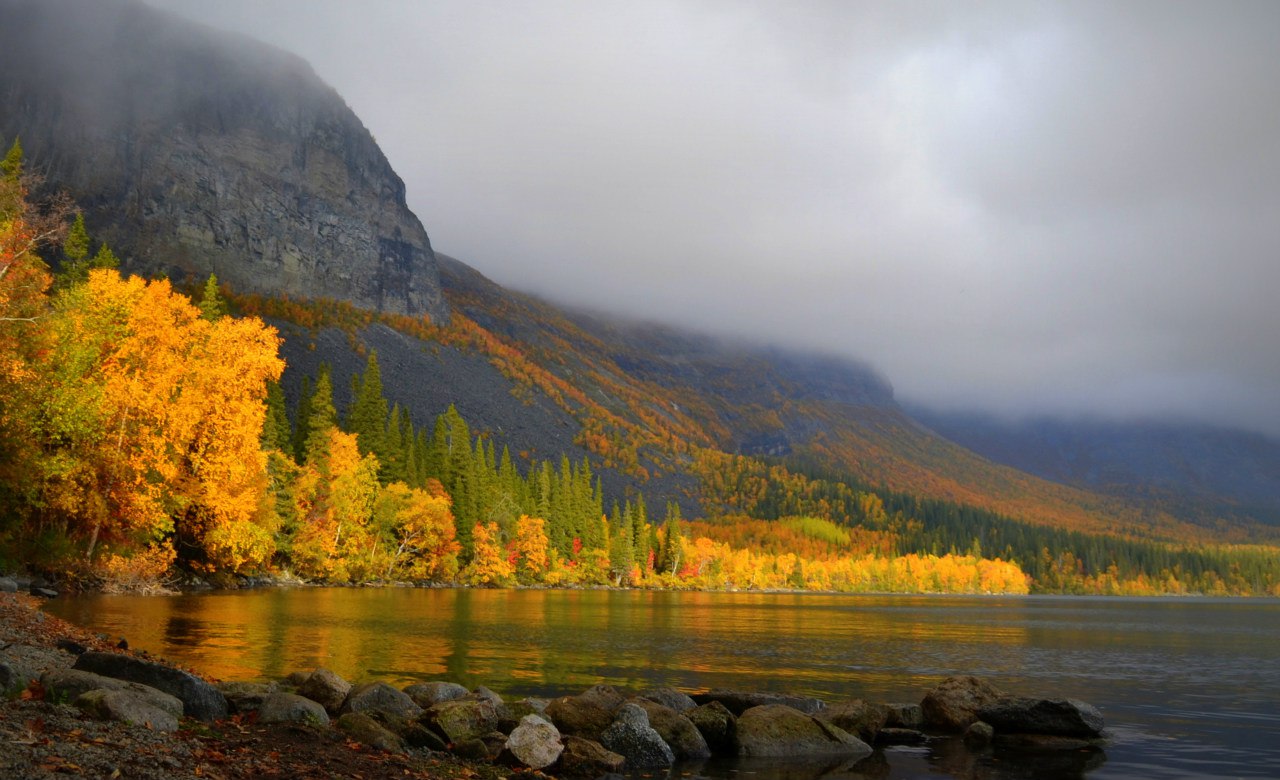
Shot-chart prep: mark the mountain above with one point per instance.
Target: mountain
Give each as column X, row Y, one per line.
column 1194, row 470
column 195, row 151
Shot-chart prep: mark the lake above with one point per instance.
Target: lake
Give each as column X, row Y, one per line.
column 1189, row 687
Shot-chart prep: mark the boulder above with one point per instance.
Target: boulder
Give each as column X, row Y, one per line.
column 528, row 706
column 327, row 688
column 739, row 702
column 587, row 758
column 292, row 708
column 44, row 593
column 8, row 585
column 717, row 726
column 200, row 700
column 670, row 697
column 482, row 692
column 779, row 731
column 904, row 716
column 1048, row 744
column 631, row 737
column 362, row 728
column 1057, row 717
column 246, row 697
column 684, row 739
column 534, row 743
column 474, row 749
column 978, row 735
column 20, row 664
column 296, row 680
column 12, row 678
column 128, row 706
column 586, row 715
column 429, row 693
column 380, row 697
column 68, row 685
column 462, row 719
column 861, row 719
column 955, row 702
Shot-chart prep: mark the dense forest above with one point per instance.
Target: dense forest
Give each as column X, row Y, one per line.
column 145, row 434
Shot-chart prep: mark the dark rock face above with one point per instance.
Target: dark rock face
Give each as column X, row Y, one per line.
column 1055, row 717
column 954, row 704
column 778, row 731
column 196, row 151
column 200, row 699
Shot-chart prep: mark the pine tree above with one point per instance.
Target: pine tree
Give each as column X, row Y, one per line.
column 11, row 165
column 76, row 245
column 302, row 420
column 640, row 530
column 213, row 306
column 621, row 547
column 322, row 418
column 393, row 457
column 276, row 433
column 367, row 416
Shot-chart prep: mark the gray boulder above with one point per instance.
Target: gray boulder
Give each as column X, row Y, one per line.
column 631, row 736
column 362, row 728
column 904, row 716
column 978, row 735
column 717, row 726
column 1056, row 717
column 460, row 720
column 429, row 693
column 292, row 708
column 482, row 692
column 586, row 715
column 327, row 688
column 859, row 718
column 955, row 702
column 380, row 697
column 200, row 700
column 778, row 731
column 670, row 697
column 684, row 739
column 8, row 585
column 739, row 702
column 534, row 743
column 246, row 697
column 68, row 685
column 587, row 758
column 129, row 706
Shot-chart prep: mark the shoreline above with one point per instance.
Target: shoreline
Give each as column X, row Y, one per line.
column 881, row 725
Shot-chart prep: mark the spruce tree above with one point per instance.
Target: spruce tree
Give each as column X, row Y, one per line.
column 11, row 165
column 323, row 417
column 76, row 245
column 276, row 433
column 302, row 420
column 367, row 417
column 212, row 305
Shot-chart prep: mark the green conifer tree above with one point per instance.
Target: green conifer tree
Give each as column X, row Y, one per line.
column 367, row 415
column 276, row 433
column 212, row 305
column 323, row 416
column 302, row 420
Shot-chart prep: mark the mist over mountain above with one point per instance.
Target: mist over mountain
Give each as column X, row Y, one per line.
column 196, row 151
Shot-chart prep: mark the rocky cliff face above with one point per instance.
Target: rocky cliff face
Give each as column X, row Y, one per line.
column 195, row 151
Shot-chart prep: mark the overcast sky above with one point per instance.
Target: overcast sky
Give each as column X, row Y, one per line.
column 1021, row 207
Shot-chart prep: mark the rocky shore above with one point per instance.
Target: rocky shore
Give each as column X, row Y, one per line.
column 77, row 704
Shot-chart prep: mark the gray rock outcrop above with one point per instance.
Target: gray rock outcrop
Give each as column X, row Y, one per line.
column 195, row 151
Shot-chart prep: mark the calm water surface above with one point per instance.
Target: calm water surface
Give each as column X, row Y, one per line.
column 1189, row 687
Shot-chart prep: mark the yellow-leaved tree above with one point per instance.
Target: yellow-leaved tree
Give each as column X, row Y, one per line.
column 335, row 495
column 147, row 421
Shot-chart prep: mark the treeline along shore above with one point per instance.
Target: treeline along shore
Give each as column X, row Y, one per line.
column 81, row 703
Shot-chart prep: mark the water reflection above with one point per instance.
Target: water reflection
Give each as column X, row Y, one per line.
column 1184, row 683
